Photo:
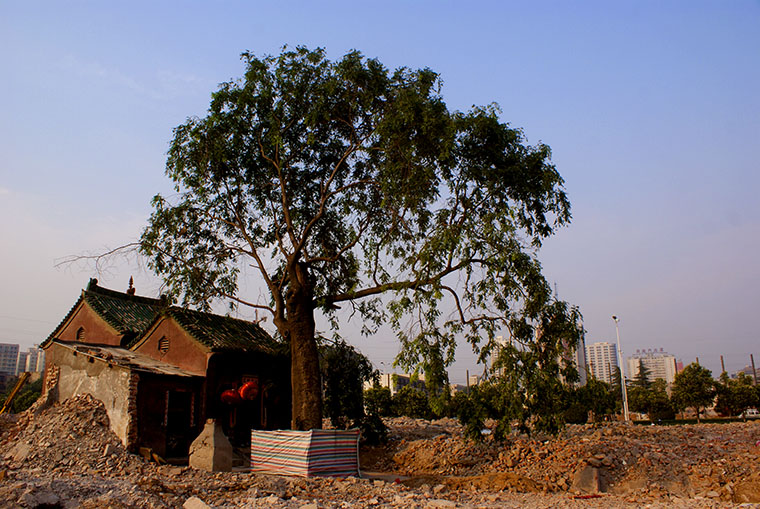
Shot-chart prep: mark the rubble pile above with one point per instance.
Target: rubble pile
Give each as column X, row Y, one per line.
column 707, row 460
column 66, row 456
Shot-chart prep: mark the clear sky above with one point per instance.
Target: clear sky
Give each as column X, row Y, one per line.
column 652, row 110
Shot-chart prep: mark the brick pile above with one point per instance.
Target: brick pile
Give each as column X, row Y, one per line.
column 66, row 456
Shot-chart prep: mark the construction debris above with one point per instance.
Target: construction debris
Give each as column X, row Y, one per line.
column 66, row 456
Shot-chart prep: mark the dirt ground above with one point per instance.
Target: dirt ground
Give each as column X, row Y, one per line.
column 66, row 456
column 706, row 461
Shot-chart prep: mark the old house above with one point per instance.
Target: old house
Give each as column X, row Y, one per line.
column 162, row 370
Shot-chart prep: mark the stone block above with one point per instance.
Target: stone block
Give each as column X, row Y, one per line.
column 211, row 451
column 588, row 479
column 195, row 503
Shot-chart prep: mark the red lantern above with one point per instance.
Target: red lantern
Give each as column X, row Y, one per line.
column 231, row 397
column 249, row 390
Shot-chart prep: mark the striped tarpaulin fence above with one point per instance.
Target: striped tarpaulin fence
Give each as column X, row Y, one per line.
column 306, row 453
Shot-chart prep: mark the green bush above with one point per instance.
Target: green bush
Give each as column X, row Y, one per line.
column 412, row 402
column 25, row 398
column 378, row 400
column 344, row 371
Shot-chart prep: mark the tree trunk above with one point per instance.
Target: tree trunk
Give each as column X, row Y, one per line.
column 305, row 378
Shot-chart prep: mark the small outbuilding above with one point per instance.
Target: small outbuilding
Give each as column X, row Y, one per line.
column 161, row 371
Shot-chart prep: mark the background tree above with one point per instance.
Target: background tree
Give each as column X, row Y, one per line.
column 535, row 376
column 617, row 390
column 642, row 378
column 411, row 401
column 638, row 390
column 735, row 396
column 693, row 387
column 531, row 382
column 25, row 398
column 378, row 400
column 596, row 397
column 659, row 404
column 344, row 184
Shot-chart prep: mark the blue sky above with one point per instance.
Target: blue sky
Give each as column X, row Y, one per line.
column 651, row 108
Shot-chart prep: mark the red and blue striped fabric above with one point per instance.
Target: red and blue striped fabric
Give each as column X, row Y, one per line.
column 306, row 453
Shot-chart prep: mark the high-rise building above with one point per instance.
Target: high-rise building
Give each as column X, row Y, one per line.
column 579, row 357
column 601, row 361
column 8, row 358
column 21, row 362
column 659, row 363
column 35, row 360
column 499, row 343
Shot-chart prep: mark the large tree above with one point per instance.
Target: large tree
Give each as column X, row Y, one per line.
column 345, row 184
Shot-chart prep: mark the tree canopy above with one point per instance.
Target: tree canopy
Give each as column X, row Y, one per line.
column 736, row 395
column 694, row 387
column 345, row 184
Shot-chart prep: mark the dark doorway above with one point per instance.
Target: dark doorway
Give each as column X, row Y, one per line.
column 179, row 422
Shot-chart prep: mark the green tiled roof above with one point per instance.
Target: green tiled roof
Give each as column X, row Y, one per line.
column 223, row 332
column 130, row 315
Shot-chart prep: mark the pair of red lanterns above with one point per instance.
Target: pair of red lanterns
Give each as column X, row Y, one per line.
column 246, row 392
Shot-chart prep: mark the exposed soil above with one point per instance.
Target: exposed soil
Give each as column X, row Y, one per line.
column 66, row 456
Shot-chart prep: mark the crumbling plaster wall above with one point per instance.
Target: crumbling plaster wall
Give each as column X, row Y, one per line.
column 80, row 374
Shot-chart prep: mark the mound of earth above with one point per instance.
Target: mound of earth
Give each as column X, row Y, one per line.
column 718, row 461
column 66, row 456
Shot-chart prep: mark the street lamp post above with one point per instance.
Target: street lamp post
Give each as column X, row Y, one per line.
column 622, row 371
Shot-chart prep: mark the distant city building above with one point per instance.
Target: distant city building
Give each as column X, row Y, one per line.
column 601, row 361
column 395, row 382
column 8, row 358
column 21, row 362
column 579, row 358
column 499, row 343
column 747, row 370
column 659, row 363
column 34, row 361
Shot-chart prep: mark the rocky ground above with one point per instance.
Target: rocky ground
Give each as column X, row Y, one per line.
column 66, row 456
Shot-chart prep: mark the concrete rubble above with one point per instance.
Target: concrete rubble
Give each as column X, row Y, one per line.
column 66, row 456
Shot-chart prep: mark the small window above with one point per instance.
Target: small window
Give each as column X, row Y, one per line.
column 80, row 334
column 163, row 344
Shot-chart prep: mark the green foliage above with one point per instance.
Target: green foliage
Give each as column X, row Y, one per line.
column 660, row 408
column 378, row 401
column 642, row 378
column 735, row 396
column 472, row 410
column 343, row 182
column 693, row 387
column 617, row 390
column 650, row 398
column 638, row 399
column 532, row 373
column 412, row 402
column 344, row 371
column 596, row 397
column 25, row 398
